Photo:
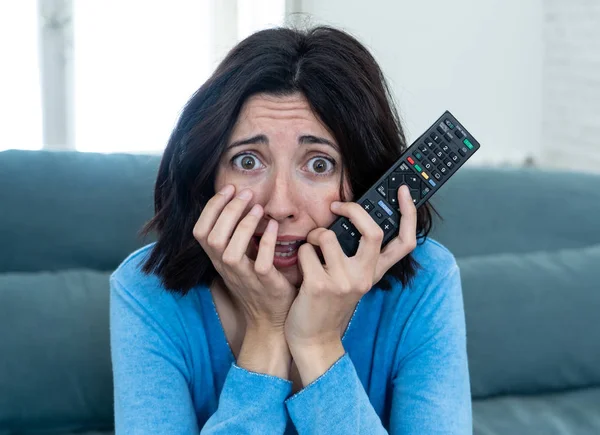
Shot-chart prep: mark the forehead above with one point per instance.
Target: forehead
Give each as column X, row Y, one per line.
column 264, row 109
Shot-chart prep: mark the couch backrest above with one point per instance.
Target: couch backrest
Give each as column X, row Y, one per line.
column 69, row 210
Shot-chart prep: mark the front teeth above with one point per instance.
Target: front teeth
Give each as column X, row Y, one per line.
column 287, row 243
column 285, row 254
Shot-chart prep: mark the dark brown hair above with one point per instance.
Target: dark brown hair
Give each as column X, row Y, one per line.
column 346, row 90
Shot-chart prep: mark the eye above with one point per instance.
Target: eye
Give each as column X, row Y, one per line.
column 319, row 165
column 245, row 162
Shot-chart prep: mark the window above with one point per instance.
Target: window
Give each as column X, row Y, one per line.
column 20, row 104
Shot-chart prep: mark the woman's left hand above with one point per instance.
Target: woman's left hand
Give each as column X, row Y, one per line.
column 329, row 292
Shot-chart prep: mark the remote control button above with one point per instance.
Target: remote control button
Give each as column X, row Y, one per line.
column 393, row 197
column 418, row 168
column 418, row 156
column 443, row 128
column 403, row 168
column 443, row 169
column 437, row 175
column 448, row 163
column 368, row 205
column 463, row 150
column 445, row 148
column 387, row 227
column 449, row 137
column 435, row 138
column 425, row 175
column 346, row 225
column 454, row 158
column 395, row 180
column 449, row 123
column 459, row 134
column 424, row 149
column 412, row 181
column 468, row 144
column 378, row 214
column 434, row 160
column 410, row 160
column 382, row 189
column 414, row 193
column 384, row 206
column 429, row 143
column 424, row 191
column 432, row 182
column 439, row 153
column 428, row 166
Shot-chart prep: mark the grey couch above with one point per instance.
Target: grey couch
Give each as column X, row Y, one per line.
column 527, row 242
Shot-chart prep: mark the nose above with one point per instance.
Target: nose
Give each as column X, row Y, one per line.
column 281, row 204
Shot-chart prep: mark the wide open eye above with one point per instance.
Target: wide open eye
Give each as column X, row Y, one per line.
column 321, row 165
column 246, row 162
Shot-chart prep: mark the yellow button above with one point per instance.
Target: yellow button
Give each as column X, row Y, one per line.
column 425, row 175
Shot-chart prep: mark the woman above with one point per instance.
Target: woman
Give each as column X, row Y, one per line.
column 245, row 316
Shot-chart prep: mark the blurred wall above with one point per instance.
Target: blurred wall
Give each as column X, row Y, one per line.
column 482, row 60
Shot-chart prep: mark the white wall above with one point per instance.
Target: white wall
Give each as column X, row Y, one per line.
column 571, row 122
column 482, row 60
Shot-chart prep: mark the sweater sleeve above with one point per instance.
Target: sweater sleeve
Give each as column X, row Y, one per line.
column 152, row 378
column 430, row 387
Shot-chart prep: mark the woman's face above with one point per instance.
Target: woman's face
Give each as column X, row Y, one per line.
column 290, row 161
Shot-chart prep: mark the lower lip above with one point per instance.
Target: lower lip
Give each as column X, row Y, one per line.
column 280, row 262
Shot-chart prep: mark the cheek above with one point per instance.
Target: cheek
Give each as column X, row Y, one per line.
column 317, row 204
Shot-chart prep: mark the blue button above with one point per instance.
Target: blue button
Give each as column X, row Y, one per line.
column 432, row 182
column 385, row 207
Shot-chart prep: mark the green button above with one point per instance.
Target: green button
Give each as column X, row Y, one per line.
column 467, row 143
column 418, row 168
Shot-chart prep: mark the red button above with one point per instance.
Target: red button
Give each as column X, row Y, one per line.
column 412, row 162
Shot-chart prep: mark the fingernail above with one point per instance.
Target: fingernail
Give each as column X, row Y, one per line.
column 335, row 205
column 227, row 190
column 245, row 194
column 272, row 225
column 256, row 211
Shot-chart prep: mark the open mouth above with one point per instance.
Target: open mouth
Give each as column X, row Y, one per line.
column 283, row 249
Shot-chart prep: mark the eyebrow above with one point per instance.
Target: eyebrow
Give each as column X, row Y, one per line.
column 261, row 139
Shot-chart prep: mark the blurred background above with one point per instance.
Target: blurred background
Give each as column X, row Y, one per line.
column 111, row 75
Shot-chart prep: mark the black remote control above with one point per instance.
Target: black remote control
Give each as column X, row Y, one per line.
column 425, row 166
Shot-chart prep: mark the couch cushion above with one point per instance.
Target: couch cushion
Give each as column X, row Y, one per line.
column 72, row 210
column 573, row 412
column 532, row 320
column 503, row 210
column 55, row 369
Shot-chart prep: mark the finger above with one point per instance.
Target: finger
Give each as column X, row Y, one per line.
column 266, row 250
column 406, row 240
column 407, row 233
column 211, row 212
column 330, row 247
column 371, row 233
column 310, row 265
column 264, row 269
column 219, row 236
column 235, row 252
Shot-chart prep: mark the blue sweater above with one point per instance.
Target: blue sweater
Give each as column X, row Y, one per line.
column 405, row 369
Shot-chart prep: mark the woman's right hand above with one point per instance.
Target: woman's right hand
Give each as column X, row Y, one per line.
column 262, row 293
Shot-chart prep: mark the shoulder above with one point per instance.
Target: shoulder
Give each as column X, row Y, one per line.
column 133, row 287
column 437, row 278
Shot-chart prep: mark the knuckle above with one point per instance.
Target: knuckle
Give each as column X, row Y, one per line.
column 327, row 236
column 215, row 242
column 376, row 233
column 229, row 259
column 262, row 269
